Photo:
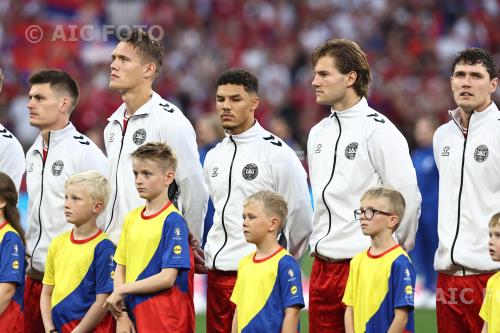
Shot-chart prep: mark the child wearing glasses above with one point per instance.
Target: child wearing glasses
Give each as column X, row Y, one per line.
column 379, row 291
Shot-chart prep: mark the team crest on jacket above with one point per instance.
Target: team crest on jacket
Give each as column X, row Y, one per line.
column 139, row 136
column 481, row 153
column 250, row 171
column 57, row 167
column 350, row 150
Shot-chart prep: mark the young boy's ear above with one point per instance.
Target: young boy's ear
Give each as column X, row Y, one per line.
column 98, row 207
column 169, row 177
column 275, row 224
column 393, row 222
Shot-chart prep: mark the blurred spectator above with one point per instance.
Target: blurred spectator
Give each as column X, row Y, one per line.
column 427, row 240
column 279, row 126
column 209, row 133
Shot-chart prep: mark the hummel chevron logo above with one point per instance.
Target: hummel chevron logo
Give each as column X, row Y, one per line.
column 375, row 115
column 272, row 137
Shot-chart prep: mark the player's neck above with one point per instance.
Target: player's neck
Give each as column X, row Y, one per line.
column 135, row 98
column 85, row 230
column 59, row 125
column 381, row 243
column 155, row 205
column 351, row 99
column 266, row 248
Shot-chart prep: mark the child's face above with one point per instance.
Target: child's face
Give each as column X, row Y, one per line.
column 79, row 206
column 256, row 224
column 151, row 180
column 380, row 221
column 494, row 244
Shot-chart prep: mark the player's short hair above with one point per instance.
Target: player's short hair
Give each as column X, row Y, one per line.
column 495, row 220
column 348, row 58
column 395, row 199
column 58, row 80
column 273, row 203
column 98, row 184
column 146, row 46
column 159, row 152
column 239, row 77
column 473, row 56
column 1, row 77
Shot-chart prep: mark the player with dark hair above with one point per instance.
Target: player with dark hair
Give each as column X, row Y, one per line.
column 248, row 160
column 465, row 149
column 57, row 153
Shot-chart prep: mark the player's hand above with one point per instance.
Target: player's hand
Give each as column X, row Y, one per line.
column 124, row 324
column 113, row 304
column 199, row 256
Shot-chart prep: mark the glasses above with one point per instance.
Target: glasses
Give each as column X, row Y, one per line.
column 369, row 213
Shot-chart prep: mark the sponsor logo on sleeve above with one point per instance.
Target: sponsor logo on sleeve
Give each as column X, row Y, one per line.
column 15, row 264
column 177, row 249
column 409, row 290
column 293, row 290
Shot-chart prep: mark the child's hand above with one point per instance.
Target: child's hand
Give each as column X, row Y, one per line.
column 114, row 303
column 124, row 325
column 199, row 256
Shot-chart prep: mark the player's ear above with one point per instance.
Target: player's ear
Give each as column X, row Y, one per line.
column 255, row 102
column 351, row 78
column 149, row 70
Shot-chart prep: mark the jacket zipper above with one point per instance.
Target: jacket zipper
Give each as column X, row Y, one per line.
column 116, row 175
column 328, row 183
column 227, row 200
column 40, row 204
column 460, row 193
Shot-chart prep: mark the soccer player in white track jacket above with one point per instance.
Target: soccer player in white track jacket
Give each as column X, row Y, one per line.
column 146, row 117
column 57, row 153
column 467, row 153
column 248, row 160
column 11, row 152
column 351, row 150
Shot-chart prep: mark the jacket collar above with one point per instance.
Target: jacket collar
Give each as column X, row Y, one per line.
column 253, row 132
column 145, row 109
column 353, row 111
column 477, row 116
column 54, row 137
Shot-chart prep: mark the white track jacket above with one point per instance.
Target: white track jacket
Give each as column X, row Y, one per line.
column 349, row 152
column 69, row 152
column 156, row 120
column 242, row 165
column 11, row 156
column 469, row 190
